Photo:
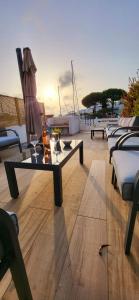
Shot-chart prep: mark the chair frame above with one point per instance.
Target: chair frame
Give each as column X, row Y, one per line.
column 11, row 144
column 134, row 208
column 119, row 145
column 12, row 258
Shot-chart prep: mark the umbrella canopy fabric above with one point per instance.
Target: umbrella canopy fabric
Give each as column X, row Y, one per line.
column 32, row 108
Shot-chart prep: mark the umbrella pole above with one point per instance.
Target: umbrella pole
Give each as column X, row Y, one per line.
column 20, row 63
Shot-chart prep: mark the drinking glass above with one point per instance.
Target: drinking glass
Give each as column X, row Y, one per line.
column 34, row 142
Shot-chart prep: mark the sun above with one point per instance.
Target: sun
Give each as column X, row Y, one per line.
column 49, row 92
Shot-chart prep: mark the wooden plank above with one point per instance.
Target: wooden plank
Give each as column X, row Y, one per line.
column 84, row 274
column 94, row 199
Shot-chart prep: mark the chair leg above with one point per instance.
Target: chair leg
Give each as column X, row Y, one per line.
column 113, row 174
column 20, row 147
column 132, row 216
column 115, row 181
column 20, row 277
column 110, row 158
column 130, row 227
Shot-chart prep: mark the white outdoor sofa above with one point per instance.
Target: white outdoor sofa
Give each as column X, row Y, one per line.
column 116, row 136
column 124, row 125
column 125, row 176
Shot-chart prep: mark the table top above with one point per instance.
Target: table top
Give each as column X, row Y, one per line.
column 47, row 161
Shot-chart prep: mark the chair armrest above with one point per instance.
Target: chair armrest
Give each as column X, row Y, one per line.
column 120, row 145
column 12, row 130
column 120, row 139
column 133, row 128
column 112, row 125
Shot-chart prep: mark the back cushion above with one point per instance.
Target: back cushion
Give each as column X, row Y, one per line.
column 127, row 122
column 132, row 121
column 120, row 121
column 136, row 121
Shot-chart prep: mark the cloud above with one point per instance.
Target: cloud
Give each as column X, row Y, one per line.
column 65, row 79
column 33, row 15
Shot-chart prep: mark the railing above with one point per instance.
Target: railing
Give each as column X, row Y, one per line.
column 103, row 122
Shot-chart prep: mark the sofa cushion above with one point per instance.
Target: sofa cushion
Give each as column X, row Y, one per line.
column 8, row 140
column 126, row 165
column 112, row 142
column 120, row 122
column 132, row 121
column 126, row 122
column 110, row 130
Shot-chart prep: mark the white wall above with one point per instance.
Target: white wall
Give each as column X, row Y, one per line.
column 73, row 121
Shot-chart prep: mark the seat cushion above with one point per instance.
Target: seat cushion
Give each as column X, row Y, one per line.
column 8, row 140
column 112, row 142
column 109, row 130
column 118, row 133
column 126, row 165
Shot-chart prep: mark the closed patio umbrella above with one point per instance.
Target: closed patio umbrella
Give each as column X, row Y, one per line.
column 32, row 108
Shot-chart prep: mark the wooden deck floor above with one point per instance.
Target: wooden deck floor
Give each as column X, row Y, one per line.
column 60, row 245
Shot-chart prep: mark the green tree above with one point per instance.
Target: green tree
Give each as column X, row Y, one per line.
column 131, row 100
column 113, row 95
column 92, row 99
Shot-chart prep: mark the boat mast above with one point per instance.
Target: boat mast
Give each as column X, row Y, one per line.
column 59, row 101
column 72, row 78
column 75, row 96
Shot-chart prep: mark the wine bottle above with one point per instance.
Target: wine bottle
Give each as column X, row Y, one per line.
column 46, row 143
column 44, row 134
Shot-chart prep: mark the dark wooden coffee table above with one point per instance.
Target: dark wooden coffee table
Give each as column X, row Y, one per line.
column 97, row 130
column 54, row 164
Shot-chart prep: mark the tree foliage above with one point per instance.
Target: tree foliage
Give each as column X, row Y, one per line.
column 103, row 97
column 92, row 99
column 114, row 95
column 131, row 100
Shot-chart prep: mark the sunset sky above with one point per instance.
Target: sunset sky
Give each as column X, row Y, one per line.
column 100, row 36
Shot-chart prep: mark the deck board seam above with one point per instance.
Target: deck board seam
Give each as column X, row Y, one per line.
column 79, row 215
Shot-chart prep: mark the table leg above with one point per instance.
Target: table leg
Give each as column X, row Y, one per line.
column 91, row 134
column 58, row 193
column 81, row 153
column 12, row 182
